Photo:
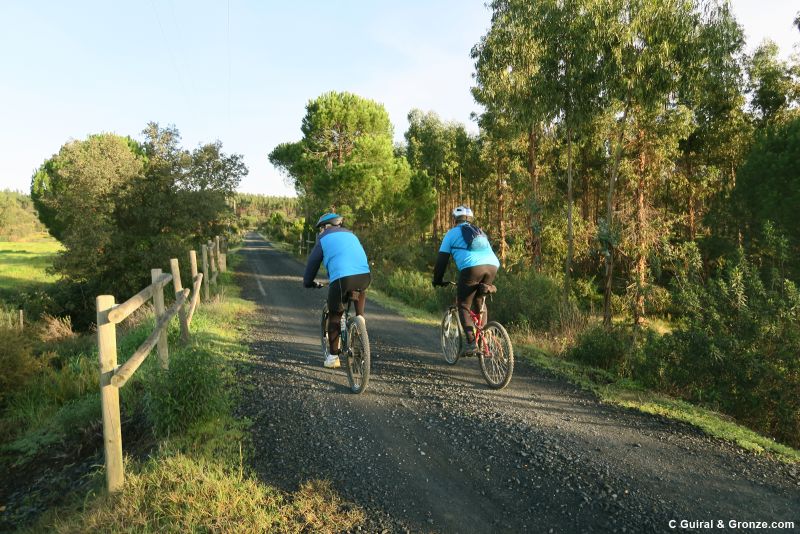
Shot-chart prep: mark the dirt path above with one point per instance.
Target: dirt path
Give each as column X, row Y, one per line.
column 430, row 448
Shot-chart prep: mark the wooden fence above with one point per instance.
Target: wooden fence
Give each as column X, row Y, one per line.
column 109, row 314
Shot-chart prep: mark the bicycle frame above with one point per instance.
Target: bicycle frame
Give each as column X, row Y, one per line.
column 477, row 320
column 344, row 342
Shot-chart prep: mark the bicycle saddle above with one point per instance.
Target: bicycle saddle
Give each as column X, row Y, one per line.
column 354, row 293
column 486, row 289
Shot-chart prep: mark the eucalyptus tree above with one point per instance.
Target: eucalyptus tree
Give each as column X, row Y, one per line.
column 537, row 65
column 770, row 83
column 509, row 82
column 569, row 34
column 713, row 90
column 428, row 150
column 446, row 153
column 649, row 46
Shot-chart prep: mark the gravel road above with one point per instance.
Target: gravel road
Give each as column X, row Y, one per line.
column 430, row 448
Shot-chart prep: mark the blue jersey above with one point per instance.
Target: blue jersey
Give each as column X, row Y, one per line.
column 454, row 244
column 342, row 253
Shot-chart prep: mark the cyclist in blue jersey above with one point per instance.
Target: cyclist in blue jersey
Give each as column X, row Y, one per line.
column 476, row 263
column 348, row 269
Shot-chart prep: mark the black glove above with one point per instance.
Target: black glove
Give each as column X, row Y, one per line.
column 313, row 285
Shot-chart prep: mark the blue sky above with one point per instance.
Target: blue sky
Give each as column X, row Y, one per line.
column 241, row 72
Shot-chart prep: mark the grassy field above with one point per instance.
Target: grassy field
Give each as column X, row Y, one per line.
column 23, row 265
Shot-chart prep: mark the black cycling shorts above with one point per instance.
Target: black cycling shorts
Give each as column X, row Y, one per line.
column 339, row 289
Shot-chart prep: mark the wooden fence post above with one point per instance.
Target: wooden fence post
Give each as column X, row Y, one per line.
column 158, row 303
column 217, row 254
column 214, row 264
column 220, row 258
column 205, row 272
column 176, row 280
column 21, row 319
column 193, row 266
column 109, row 395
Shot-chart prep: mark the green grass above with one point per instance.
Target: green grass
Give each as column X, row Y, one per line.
column 195, row 479
column 413, row 315
column 628, row 394
column 23, row 264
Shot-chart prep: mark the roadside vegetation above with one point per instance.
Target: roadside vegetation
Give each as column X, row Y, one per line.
column 186, row 454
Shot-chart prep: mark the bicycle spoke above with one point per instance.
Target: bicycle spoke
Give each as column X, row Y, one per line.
column 497, row 357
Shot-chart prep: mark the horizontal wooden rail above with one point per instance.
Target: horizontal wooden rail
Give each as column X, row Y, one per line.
column 119, row 313
column 124, row 372
column 112, row 376
column 198, row 280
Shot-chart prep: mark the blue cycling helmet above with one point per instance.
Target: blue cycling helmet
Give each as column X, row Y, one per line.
column 329, row 218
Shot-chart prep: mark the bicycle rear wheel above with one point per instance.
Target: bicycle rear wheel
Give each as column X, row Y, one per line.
column 451, row 336
column 323, row 331
column 358, row 355
column 496, row 356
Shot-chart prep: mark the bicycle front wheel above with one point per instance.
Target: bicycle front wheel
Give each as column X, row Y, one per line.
column 496, row 355
column 451, row 336
column 358, row 355
column 323, row 331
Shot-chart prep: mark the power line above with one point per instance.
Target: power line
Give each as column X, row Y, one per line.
column 169, row 51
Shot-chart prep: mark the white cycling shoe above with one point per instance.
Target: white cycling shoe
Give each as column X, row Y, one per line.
column 332, row 361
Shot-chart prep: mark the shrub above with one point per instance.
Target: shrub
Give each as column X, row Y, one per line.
column 414, row 288
column 527, row 298
column 53, row 329
column 736, row 348
column 191, row 391
column 18, row 365
column 601, row 347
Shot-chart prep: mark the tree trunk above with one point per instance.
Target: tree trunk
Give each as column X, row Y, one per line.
column 501, row 222
column 570, row 238
column 609, row 274
column 641, row 257
column 536, row 217
column 692, row 228
column 438, row 215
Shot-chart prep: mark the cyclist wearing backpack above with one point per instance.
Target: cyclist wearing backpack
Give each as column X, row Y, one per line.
column 476, row 263
column 348, row 269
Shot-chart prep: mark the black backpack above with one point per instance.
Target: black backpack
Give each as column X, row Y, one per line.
column 474, row 237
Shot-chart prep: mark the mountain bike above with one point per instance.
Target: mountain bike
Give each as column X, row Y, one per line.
column 495, row 352
column 354, row 342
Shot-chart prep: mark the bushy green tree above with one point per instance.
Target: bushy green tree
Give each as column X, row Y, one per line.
column 770, row 83
column 768, row 189
column 121, row 208
column 737, row 346
column 346, row 162
column 76, row 192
